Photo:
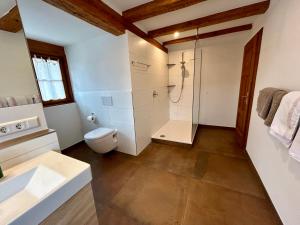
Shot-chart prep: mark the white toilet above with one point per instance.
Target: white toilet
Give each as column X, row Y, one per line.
column 102, row 140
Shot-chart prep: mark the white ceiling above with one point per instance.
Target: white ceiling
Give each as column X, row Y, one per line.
column 46, row 23
column 5, row 6
column 121, row 5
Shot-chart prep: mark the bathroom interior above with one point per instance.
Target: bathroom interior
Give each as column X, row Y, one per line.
column 112, row 116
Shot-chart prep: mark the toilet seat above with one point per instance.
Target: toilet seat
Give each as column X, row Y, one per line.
column 98, row 133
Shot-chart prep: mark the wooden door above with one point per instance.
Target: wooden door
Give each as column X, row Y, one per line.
column 249, row 71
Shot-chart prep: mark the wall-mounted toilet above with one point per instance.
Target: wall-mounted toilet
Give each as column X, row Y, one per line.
column 102, row 140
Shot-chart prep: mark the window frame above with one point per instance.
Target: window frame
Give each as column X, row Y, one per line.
column 46, row 50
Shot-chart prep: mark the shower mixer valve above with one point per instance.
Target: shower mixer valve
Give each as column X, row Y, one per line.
column 155, row 94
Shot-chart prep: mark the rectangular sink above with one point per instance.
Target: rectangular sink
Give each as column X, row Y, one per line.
column 33, row 190
column 27, row 189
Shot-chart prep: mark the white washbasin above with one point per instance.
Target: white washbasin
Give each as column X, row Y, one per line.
column 27, row 189
column 35, row 183
column 31, row 191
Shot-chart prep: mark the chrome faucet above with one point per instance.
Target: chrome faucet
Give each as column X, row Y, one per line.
column 1, row 173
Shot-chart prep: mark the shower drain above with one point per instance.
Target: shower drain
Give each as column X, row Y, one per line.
column 162, row 136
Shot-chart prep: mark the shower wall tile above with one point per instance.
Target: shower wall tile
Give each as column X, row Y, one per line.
column 118, row 116
column 150, row 113
column 183, row 109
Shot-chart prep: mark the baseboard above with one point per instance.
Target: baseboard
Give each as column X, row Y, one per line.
column 216, row 127
column 265, row 190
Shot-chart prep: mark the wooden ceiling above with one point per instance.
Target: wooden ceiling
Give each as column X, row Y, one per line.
column 101, row 15
column 11, row 21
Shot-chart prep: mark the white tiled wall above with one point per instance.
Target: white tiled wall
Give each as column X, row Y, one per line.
column 150, row 113
column 100, row 67
column 183, row 109
column 220, row 80
column 118, row 116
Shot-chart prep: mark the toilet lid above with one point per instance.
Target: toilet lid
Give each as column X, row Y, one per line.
column 99, row 133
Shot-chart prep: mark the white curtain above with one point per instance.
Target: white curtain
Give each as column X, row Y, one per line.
column 49, row 78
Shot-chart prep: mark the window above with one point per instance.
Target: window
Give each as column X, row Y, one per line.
column 48, row 74
column 51, row 70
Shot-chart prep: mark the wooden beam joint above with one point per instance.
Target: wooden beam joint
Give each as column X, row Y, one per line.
column 11, row 22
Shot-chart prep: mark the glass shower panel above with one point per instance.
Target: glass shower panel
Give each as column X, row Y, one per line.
column 196, row 91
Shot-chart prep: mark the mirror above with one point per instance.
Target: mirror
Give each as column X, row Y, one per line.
column 17, row 85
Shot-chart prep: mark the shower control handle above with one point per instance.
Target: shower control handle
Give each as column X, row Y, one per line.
column 155, row 94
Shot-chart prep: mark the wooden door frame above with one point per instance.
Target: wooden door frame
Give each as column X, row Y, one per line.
column 258, row 36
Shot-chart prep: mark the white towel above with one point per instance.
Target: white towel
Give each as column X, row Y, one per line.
column 286, row 120
column 295, row 148
column 21, row 100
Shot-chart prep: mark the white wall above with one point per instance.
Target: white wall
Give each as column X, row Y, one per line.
column 220, row 84
column 65, row 119
column 100, row 67
column 278, row 67
column 150, row 114
column 17, row 77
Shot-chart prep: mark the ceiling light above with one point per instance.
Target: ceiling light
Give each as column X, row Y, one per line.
column 176, row 34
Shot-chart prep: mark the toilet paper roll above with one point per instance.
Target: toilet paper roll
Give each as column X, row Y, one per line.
column 91, row 118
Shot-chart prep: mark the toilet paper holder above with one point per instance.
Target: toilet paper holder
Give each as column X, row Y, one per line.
column 91, row 118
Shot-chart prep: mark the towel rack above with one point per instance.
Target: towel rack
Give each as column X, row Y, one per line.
column 136, row 63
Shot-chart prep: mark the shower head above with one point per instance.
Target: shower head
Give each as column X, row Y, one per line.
column 182, row 59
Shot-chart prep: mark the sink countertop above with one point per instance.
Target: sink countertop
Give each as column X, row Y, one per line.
column 76, row 175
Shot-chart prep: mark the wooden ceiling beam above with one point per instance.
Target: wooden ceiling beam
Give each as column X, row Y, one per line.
column 230, row 15
column 94, row 12
column 210, row 34
column 155, row 8
column 102, row 16
column 11, row 21
column 134, row 29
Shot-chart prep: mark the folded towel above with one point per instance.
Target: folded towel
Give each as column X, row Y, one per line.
column 21, row 100
column 3, row 102
column 286, row 120
column 11, row 101
column 277, row 97
column 264, row 101
column 295, row 148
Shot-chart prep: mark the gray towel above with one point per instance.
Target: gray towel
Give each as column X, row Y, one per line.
column 264, row 101
column 277, row 97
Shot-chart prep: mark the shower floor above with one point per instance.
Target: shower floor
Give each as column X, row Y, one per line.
column 175, row 131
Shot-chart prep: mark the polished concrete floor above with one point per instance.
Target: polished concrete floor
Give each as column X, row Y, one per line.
column 211, row 183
